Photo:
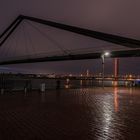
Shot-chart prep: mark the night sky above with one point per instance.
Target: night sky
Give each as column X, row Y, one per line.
column 119, row 17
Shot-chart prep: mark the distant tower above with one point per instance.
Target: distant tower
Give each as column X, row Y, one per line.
column 116, row 68
column 87, row 73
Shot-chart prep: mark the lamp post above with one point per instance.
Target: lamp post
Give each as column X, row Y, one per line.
column 105, row 54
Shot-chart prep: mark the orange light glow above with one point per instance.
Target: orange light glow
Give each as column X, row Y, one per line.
column 116, row 67
column 116, row 106
column 115, row 83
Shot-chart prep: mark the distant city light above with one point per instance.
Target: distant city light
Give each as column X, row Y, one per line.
column 68, row 80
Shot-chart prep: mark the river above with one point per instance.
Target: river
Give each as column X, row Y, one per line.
column 93, row 113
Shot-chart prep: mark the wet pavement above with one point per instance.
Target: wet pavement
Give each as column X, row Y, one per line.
column 71, row 114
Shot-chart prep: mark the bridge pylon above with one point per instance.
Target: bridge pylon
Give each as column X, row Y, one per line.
column 116, row 68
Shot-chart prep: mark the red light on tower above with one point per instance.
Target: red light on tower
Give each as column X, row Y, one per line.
column 116, row 68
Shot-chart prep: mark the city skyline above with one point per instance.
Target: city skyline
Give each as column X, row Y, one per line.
column 94, row 66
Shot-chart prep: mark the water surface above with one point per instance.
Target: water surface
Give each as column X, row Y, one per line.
column 71, row 114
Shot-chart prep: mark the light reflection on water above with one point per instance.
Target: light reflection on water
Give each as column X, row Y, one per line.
column 116, row 106
column 71, row 114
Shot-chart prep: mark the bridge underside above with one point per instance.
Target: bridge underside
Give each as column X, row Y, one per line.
column 132, row 44
column 113, row 54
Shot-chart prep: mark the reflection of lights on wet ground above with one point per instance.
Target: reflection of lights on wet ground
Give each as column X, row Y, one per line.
column 67, row 80
column 81, row 82
column 67, row 83
column 108, row 106
column 106, row 119
column 126, row 83
column 116, row 99
column 66, row 86
column 107, row 122
column 114, row 83
column 105, row 114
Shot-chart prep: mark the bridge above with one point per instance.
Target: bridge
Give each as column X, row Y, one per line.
column 122, row 46
column 132, row 45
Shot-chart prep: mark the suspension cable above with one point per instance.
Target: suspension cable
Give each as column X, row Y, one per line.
column 49, row 38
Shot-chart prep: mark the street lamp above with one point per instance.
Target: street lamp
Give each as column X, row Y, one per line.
column 105, row 54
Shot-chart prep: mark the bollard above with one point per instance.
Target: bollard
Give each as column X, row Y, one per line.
column 42, row 87
column 25, row 90
column 2, row 91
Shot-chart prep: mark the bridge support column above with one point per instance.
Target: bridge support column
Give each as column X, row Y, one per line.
column 116, row 68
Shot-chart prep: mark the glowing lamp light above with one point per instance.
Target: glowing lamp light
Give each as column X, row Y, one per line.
column 106, row 54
